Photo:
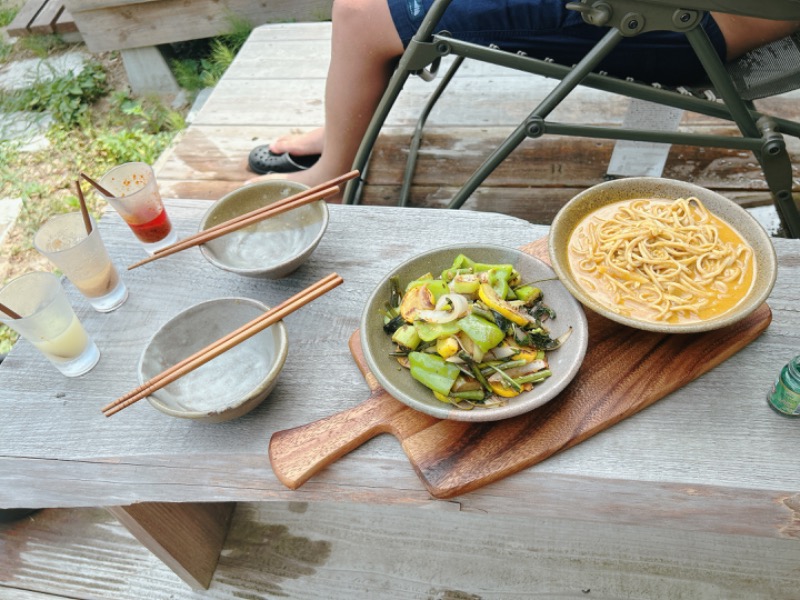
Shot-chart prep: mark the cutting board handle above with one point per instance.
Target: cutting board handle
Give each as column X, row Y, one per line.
column 298, row 454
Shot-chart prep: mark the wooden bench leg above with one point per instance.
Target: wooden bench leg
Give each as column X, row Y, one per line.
column 148, row 72
column 188, row 538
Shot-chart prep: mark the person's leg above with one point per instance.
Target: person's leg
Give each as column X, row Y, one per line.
column 745, row 33
column 364, row 47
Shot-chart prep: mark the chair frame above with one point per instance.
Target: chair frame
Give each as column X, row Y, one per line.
column 761, row 134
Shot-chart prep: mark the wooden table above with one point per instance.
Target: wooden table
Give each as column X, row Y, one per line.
column 710, row 458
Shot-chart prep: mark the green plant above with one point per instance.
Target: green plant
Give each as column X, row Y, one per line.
column 7, row 338
column 5, row 51
column 148, row 113
column 7, row 14
column 67, row 98
column 42, row 46
column 203, row 62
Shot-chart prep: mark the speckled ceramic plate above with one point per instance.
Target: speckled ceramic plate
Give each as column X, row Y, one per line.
column 564, row 362
column 651, row 187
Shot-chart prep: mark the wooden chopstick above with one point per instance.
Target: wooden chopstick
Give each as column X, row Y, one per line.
column 87, row 221
column 9, row 312
column 228, row 227
column 97, row 186
column 336, row 181
column 224, row 344
column 319, row 192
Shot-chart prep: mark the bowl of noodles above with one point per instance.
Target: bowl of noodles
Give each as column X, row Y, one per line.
column 662, row 255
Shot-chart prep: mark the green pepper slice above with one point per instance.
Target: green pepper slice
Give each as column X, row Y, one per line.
column 486, row 335
column 432, row 371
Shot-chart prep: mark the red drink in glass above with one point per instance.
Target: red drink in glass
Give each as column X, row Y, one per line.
column 136, row 198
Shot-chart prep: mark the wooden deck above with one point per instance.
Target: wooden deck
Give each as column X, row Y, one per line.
column 293, row 550
column 354, row 552
column 276, row 84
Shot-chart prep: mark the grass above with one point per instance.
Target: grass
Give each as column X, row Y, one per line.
column 96, row 124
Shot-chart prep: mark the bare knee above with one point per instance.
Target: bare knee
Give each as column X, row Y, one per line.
column 368, row 23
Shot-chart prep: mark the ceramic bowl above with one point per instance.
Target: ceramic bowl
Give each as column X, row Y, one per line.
column 272, row 248
column 650, row 187
column 564, row 362
column 229, row 385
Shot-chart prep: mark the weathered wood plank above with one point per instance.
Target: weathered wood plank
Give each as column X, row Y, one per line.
column 45, row 20
column 536, row 205
column 115, row 25
column 533, row 183
column 337, row 551
column 676, row 478
column 187, row 537
column 25, row 16
column 449, row 155
column 65, row 23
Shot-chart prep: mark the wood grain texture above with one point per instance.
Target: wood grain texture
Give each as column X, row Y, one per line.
column 625, row 370
column 119, row 25
column 187, row 537
column 298, row 454
column 663, row 463
column 347, row 551
column 46, row 18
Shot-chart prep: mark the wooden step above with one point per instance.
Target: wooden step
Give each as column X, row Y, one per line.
column 42, row 17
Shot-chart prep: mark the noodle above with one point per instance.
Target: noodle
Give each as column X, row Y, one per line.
column 661, row 260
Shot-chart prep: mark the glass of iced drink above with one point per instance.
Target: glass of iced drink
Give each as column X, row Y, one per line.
column 134, row 195
column 83, row 259
column 45, row 318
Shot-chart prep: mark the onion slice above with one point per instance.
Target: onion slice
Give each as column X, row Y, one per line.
column 459, row 307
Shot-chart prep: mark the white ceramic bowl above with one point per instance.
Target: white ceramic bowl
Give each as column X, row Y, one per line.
column 651, row 187
column 231, row 384
column 272, row 248
column 564, row 362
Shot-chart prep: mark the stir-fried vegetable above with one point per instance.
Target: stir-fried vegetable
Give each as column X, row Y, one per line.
column 475, row 335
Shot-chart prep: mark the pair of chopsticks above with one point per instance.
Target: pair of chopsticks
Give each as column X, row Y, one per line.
column 319, row 192
column 225, row 343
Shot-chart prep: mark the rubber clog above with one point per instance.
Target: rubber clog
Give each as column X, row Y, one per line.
column 262, row 161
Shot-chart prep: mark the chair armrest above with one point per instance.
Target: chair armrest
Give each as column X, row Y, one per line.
column 779, row 10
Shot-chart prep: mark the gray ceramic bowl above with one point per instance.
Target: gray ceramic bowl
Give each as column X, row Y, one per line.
column 651, row 187
column 272, row 248
column 231, row 384
column 564, row 362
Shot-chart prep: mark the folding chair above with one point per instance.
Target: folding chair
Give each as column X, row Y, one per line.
column 734, row 87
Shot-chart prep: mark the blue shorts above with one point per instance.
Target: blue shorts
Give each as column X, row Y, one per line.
column 546, row 29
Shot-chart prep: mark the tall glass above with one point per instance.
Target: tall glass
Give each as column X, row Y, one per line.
column 48, row 322
column 136, row 198
column 83, row 259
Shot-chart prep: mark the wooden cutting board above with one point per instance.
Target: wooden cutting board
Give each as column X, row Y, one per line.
column 625, row 370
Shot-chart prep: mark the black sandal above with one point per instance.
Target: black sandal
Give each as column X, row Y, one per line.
column 262, row 161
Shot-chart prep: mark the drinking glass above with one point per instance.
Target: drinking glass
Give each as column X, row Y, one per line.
column 83, row 259
column 135, row 196
column 48, row 322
